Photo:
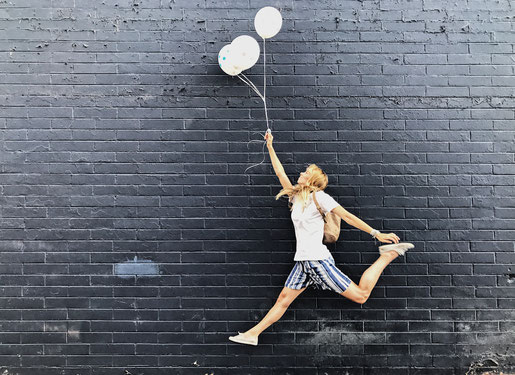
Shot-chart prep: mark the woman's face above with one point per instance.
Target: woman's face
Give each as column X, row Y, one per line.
column 304, row 176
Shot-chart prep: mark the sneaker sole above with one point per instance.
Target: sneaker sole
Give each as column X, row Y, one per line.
column 241, row 340
column 400, row 247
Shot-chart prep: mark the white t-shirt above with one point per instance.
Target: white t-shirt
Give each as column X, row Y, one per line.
column 309, row 226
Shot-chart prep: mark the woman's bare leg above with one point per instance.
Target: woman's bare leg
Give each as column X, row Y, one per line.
column 369, row 278
column 360, row 293
column 286, row 297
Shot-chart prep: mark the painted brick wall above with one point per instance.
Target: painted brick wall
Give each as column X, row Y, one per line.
column 133, row 241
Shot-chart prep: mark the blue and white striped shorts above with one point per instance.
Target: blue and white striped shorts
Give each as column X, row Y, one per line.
column 322, row 274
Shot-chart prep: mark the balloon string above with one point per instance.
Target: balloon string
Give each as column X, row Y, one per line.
column 253, row 87
column 264, row 82
column 264, row 143
column 263, row 97
column 250, row 84
column 246, row 82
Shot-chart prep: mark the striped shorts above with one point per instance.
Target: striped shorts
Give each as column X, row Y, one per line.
column 322, row 274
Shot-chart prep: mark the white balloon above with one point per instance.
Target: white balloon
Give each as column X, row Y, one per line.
column 226, row 60
column 245, row 51
column 268, row 22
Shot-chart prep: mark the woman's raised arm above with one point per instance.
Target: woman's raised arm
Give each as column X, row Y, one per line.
column 278, row 167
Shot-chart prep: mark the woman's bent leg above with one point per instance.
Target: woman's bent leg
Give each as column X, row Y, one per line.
column 360, row 293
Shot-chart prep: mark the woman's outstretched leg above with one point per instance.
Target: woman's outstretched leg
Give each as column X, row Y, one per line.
column 360, row 293
column 284, row 300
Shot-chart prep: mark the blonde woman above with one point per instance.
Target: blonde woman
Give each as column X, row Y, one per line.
column 314, row 264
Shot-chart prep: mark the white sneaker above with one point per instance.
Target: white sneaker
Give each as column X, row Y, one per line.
column 400, row 247
column 240, row 338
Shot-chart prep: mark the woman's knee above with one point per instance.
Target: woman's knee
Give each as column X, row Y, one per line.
column 363, row 297
column 356, row 294
column 288, row 295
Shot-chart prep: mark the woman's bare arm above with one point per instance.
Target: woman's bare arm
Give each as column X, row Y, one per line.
column 278, row 167
column 352, row 219
column 356, row 222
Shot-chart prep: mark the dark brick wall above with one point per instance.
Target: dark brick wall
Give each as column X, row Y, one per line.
column 132, row 241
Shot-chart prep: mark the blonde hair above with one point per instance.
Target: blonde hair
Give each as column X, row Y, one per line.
column 317, row 181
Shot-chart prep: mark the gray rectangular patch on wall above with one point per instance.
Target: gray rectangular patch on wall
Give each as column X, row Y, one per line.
column 136, row 267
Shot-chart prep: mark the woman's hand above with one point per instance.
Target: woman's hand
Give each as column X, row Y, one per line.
column 269, row 138
column 388, row 237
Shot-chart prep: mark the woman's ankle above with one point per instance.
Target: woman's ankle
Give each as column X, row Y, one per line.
column 392, row 254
